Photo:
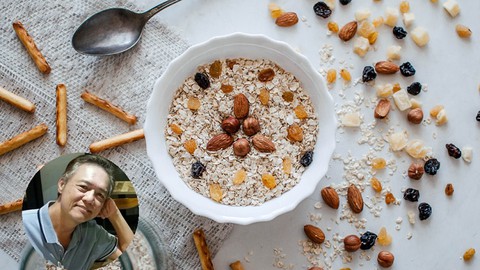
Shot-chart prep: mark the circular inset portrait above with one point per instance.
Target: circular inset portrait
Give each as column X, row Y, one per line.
column 80, row 211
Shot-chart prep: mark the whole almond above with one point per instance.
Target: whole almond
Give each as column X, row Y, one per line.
column 352, row 243
column 287, row 19
column 348, row 31
column 220, row 141
column 314, row 233
column 386, row 67
column 354, row 199
column 263, row 144
column 240, row 106
column 382, row 109
column 330, row 197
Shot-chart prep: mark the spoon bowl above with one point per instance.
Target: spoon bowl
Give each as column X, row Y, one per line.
column 113, row 31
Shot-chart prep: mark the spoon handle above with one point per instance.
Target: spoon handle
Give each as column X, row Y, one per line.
column 150, row 13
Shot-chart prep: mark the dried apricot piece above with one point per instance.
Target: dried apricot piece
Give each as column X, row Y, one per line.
column 389, row 198
column 287, row 96
column 376, row 184
column 215, row 69
column 190, row 146
column 379, row 163
column 264, row 96
column 468, row 255
column 226, row 88
column 239, row 177
column 266, row 75
column 331, row 76
column 300, row 112
column 176, row 129
column 287, row 165
column 268, row 181
column 193, row 103
column 216, row 192
column 384, row 238
column 295, row 133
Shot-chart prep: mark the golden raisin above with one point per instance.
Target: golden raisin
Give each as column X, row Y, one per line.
column 295, row 133
column 226, row 88
column 332, row 27
column 287, row 96
column 331, row 75
column 404, row 7
column 345, row 74
column 435, row 110
column 449, row 189
column 396, row 87
column 300, row 112
column 215, row 69
column 384, row 238
column 193, row 103
column 287, row 165
column 268, row 180
column 264, row 96
column 239, row 177
column 376, row 184
column 372, row 38
column 231, row 63
column 266, row 75
column 468, row 255
column 463, row 31
column 176, row 129
column 378, row 22
column 216, row 192
column 190, row 146
column 378, row 163
column 276, row 13
column 365, row 29
column 389, row 198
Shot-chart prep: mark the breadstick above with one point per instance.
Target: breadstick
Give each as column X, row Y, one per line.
column 23, row 138
column 109, row 107
column 117, row 140
column 32, row 49
column 16, row 101
column 236, row 266
column 61, row 115
column 11, row 207
column 202, row 249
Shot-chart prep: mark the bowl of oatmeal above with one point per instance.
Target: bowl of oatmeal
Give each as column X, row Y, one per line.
column 240, row 128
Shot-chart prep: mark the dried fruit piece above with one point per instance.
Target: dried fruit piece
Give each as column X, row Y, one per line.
column 420, row 36
column 365, row 29
column 368, row 74
column 266, row 75
column 322, row 9
column 251, row 126
column 354, row 199
column 415, row 88
column 352, row 243
column 287, row 96
column 431, row 166
column 384, row 90
column 382, row 109
column 384, row 238
column 424, row 211
column 193, row 103
column 389, row 198
column 348, row 31
column 239, row 177
column 216, row 192
column 415, row 171
column 435, row 110
column 411, row 195
column 176, row 129
column 300, row 112
column 330, row 197
column 372, row 38
column 345, row 74
column 263, row 144
column 407, row 69
column 416, row 149
column 463, row 31
column 331, row 76
column 307, row 158
column 402, row 101
column 197, row 169
column 287, row 19
column 351, row 119
column 408, row 19
column 398, row 141
column 399, row 32
column 264, row 96
column 391, row 16
column 385, row 259
column 404, row 7
column 240, row 106
column 453, row 151
column 215, row 69
column 368, row 240
column 361, row 46
column 230, row 124
column 452, row 7
column 220, row 141
column 467, row 153
column 449, row 189
column 287, row 165
column 377, row 22
column 268, row 181
column 275, row 10
column 345, row 2
column 230, row 63
column 376, row 184
column 379, row 163
column 241, row 147
column 202, row 80
column 362, row 14
column 468, row 255
column 226, row 88
column 393, row 52
column 314, row 233
column 190, row 146
column 332, row 27
column 295, row 133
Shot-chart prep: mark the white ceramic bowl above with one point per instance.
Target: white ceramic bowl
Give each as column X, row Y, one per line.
column 235, row 46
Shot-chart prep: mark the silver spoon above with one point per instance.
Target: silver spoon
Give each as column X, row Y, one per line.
column 113, row 30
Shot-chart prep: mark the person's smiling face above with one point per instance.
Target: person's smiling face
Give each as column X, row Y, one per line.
column 83, row 195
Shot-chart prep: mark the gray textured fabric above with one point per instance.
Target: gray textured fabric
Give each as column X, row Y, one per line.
column 125, row 80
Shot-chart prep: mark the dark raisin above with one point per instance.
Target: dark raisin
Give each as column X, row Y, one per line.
column 411, row 194
column 453, row 151
column 399, row 32
column 322, row 10
column 197, row 169
column 345, row 2
column 407, row 69
column 414, row 88
column 368, row 74
column 478, row 116
column 202, row 80
column 432, row 166
column 307, row 159
column 424, row 211
column 367, row 240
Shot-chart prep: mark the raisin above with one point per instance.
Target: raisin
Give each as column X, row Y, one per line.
column 411, row 194
column 367, row 240
column 407, row 69
column 266, row 75
column 197, row 169
column 414, row 88
column 202, row 80
column 322, row 10
column 424, row 211
column 345, row 2
column 399, row 32
column 287, row 96
column 368, row 74
column 307, row 158
column 453, row 151
column 432, row 166
column 478, row 116
column 215, row 69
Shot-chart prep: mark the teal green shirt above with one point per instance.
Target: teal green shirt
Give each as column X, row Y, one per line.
column 89, row 243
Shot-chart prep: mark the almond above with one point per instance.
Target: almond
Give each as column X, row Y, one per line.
column 240, row 106
column 220, row 141
column 287, row 19
column 314, row 233
column 263, row 144
column 348, row 31
column 386, row 67
column 330, row 197
column 382, row 109
column 352, row 243
column 354, row 199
